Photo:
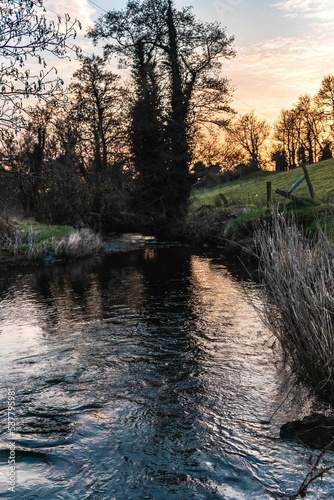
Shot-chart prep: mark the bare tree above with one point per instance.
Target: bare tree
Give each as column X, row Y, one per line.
column 249, row 132
column 311, row 131
column 302, row 132
column 26, row 36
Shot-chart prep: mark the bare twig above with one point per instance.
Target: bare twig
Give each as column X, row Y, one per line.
column 314, row 473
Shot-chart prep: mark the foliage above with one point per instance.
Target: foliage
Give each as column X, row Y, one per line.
column 26, row 241
column 208, row 226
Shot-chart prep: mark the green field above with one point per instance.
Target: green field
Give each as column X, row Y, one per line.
column 250, row 191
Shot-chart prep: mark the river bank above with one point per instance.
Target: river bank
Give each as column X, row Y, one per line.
column 25, row 242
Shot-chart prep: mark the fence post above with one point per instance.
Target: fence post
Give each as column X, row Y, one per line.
column 268, row 194
column 308, row 180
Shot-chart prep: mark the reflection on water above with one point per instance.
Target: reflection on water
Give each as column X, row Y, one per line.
column 145, row 375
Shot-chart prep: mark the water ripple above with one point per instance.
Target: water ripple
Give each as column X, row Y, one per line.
column 159, row 385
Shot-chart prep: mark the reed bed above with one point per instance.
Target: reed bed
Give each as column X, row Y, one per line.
column 297, row 274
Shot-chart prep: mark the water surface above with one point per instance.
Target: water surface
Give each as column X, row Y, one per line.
column 145, row 375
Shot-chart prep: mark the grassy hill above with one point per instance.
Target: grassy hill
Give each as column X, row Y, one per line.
column 250, row 191
column 247, row 206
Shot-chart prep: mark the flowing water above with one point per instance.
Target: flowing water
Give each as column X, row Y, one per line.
column 145, row 374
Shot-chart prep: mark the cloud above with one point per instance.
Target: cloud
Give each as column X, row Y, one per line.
column 270, row 75
column 77, row 9
column 308, row 9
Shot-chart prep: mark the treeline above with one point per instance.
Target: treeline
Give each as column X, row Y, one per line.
column 301, row 135
column 125, row 152
column 68, row 163
column 114, row 151
column 305, row 133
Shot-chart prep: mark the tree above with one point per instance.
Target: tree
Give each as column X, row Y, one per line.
column 279, row 157
column 302, row 132
column 173, row 56
column 286, row 136
column 26, row 36
column 100, row 112
column 310, row 129
column 250, row 133
column 25, row 158
column 324, row 99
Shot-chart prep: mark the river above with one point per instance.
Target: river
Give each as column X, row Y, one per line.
column 145, row 374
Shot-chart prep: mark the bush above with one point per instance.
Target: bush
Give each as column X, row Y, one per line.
column 298, row 275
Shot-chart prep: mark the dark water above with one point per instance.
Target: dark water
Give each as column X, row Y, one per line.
column 145, row 375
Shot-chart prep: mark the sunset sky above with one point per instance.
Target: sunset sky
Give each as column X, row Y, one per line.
column 284, row 47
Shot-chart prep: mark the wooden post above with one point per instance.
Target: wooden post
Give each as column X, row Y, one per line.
column 268, row 194
column 308, row 181
column 222, row 197
column 286, row 194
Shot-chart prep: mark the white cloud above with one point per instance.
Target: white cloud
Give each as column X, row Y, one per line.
column 270, row 75
column 77, row 9
column 322, row 9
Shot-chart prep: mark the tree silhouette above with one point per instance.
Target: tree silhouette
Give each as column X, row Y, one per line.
column 173, row 57
column 249, row 132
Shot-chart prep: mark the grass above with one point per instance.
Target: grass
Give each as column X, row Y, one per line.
column 297, row 273
column 247, row 201
column 41, row 231
column 250, row 191
column 81, row 243
column 26, row 241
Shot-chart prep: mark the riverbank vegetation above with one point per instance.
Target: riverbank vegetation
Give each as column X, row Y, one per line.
column 26, row 242
column 297, row 272
column 228, row 215
column 294, row 247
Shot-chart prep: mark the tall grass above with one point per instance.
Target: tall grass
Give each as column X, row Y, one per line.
column 27, row 246
column 82, row 243
column 298, row 275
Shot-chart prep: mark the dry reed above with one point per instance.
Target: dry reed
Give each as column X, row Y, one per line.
column 28, row 247
column 298, row 275
column 81, row 243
